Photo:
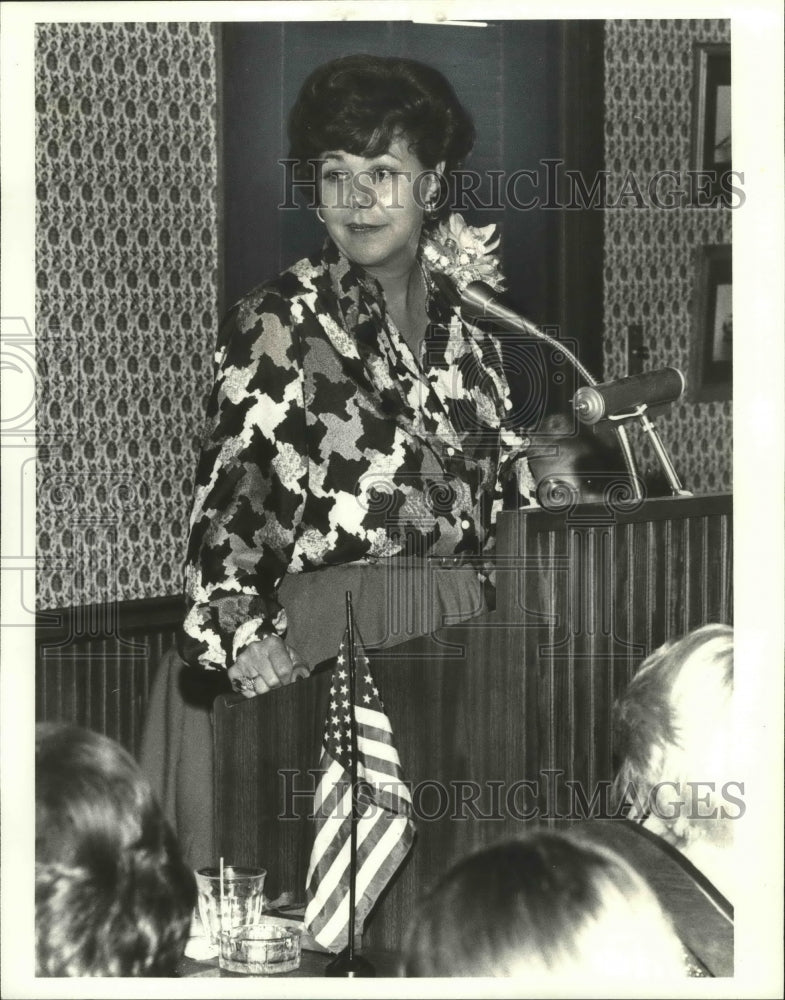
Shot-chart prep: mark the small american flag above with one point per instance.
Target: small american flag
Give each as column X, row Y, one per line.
column 385, row 830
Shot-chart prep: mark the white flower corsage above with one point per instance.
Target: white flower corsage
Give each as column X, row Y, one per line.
column 464, row 253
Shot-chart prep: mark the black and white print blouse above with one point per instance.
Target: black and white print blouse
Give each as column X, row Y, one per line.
column 328, row 442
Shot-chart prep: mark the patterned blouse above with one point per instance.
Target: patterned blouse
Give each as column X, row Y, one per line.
column 328, row 442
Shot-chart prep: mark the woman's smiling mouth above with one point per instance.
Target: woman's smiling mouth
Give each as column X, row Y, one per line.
column 362, row 227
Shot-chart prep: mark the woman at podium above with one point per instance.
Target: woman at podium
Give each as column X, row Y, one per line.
column 360, row 433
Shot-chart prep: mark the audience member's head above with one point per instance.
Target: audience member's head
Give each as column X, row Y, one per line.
column 674, row 736
column 546, row 906
column 113, row 896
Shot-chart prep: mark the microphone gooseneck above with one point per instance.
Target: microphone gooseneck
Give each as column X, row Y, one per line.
column 480, row 301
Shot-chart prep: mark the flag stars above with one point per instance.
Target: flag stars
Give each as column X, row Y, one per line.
column 344, row 689
column 366, row 698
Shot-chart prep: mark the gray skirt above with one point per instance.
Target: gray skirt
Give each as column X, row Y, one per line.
column 394, row 600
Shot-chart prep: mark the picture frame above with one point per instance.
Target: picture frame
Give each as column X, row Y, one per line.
column 711, row 368
column 711, row 154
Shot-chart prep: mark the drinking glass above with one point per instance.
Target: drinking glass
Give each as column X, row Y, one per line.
column 241, row 902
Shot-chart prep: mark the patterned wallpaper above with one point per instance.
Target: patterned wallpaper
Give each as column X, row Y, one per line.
column 650, row 269
column 126, row 270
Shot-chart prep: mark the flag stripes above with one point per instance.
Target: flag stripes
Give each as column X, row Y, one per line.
column 334, row 872
column 384, row 828
column 382, row 751
column 370, row 719
column 386, row 853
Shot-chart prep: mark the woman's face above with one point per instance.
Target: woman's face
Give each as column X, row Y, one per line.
column 373, row 206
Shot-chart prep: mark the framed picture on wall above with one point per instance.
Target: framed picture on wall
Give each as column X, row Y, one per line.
column 712, row 346
column 711, row 121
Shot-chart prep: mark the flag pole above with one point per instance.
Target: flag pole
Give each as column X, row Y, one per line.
column 353, row 727
column 347, row 963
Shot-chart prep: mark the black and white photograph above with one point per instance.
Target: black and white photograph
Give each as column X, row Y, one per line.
column 392, row 465
column 712, row 137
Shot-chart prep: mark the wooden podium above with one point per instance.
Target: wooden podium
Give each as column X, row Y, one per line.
column 503, row 721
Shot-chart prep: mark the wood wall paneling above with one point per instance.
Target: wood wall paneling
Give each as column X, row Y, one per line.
column 95, row 664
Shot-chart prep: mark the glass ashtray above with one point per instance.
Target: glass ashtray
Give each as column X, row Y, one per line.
column 262, row 948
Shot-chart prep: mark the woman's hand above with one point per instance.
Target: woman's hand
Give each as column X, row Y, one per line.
column 264, row 665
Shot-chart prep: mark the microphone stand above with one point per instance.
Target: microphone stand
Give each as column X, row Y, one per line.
column 477, row 309
column 659, row 448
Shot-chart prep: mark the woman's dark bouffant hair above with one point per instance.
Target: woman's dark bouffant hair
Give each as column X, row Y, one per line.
column 360, row 103
column 113, row 895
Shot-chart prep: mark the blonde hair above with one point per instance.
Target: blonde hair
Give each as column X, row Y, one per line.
column 673, row 727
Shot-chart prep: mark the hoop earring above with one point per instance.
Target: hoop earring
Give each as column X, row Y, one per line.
column 319, row 215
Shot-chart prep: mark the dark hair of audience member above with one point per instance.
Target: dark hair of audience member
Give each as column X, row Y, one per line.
column 547, row 905
column 113, row 895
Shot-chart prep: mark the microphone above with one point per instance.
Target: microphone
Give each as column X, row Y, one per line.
column 479, row 301
column 592, row 403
